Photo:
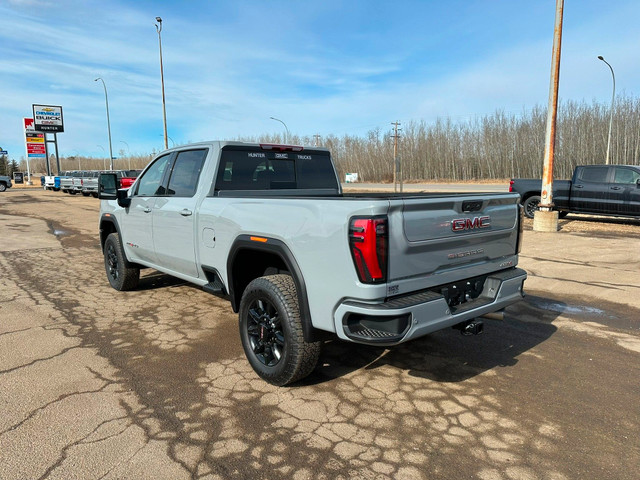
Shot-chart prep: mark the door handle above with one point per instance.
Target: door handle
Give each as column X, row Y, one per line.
column 616, row 188
column 578, row 186
column 146, row 210
column 185, row 212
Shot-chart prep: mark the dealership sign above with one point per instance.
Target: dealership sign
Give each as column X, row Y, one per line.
column 48, row 118
column 28, row 125
column 35, row 140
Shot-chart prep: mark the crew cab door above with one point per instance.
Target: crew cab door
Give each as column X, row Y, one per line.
column 625, row 190
column 174, row 214
column 590, row 189
column 138, row 218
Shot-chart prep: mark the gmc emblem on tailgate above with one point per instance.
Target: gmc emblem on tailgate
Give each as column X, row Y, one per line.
column 460, row 224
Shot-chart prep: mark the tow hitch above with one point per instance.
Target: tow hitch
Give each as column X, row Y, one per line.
column 470, row 327
column 476, row 325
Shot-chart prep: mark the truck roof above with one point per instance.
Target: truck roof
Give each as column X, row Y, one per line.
column 224, row 143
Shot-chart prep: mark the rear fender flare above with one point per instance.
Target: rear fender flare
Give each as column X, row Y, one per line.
column 243, row 243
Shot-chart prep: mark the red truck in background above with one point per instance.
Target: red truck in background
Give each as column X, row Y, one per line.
column 127, row 177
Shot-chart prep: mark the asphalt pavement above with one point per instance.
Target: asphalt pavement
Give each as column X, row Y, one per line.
column 153, row 383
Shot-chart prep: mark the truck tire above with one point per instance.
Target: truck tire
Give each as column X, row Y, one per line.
column 121, row 274
column 3, row 187
column 271, row 331
column 531, row 205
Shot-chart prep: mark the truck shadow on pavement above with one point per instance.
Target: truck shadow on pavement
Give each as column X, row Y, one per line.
column 154, row 280
column 448, row 356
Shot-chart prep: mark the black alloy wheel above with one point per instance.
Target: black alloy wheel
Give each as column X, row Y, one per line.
column 122, row 274
column 271, row 331
column 265, row 333
column 531, row 205
column 111, row 258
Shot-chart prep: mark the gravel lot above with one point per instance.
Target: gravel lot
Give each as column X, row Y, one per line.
column 154, row 384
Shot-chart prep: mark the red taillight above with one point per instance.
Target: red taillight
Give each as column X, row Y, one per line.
column 368, row 242
column 511, row 186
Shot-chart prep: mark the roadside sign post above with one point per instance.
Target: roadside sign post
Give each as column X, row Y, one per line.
column 48, row 119
column 35, row 145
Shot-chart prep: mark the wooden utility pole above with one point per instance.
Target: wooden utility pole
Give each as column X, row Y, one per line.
column 396, row 165
column 546, row 219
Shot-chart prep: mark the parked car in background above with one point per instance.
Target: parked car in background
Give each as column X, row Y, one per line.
column 51, row 182
column 5, row 182
column 593, row 189
column 127, row 177
column 76, row 182
column 66, row 181
column 90, row 183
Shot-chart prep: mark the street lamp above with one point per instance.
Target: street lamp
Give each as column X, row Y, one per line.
column 286, row 140
column 106, row 99
column 164, row 110
column 613, row 97
column 172, row 142
column 128, row 152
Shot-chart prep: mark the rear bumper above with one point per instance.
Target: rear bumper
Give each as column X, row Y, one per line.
column 401, row 319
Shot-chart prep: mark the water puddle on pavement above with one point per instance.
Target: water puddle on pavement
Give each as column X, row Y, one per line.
column 57, row 231
column 567, row 309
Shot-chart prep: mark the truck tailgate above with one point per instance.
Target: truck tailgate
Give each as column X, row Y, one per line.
column 450, row 237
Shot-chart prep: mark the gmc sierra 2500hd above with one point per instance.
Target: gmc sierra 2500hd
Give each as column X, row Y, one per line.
column 268, row 227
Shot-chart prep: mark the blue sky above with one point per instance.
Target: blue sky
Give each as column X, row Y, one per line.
column 323, row 67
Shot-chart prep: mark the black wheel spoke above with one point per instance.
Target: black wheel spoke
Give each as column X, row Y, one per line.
column 278, row 338
column 255, row 315
column 265, row 332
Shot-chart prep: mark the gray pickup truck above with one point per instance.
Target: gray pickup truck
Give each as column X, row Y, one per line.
column 5, row 182
column 268, row 228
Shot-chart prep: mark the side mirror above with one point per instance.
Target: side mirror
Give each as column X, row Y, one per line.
column 123, row 198
column 107, row 186
column 108, row 190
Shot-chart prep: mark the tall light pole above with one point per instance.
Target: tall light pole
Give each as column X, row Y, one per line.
column 286, row 140
column 128, row 152
column 613, row 98
column 164, row 110
column 106, row 100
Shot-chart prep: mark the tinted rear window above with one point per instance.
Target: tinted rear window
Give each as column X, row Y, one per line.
column 250, row 168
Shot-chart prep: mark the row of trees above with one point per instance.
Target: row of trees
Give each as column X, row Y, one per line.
column 79, row 162
column 8, row 167
column 495, row 146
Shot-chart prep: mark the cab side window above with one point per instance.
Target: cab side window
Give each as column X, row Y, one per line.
column 186, row 172
column 626, row 175
column 150, row 184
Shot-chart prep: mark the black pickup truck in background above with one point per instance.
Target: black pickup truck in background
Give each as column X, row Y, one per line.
column 594, row 189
